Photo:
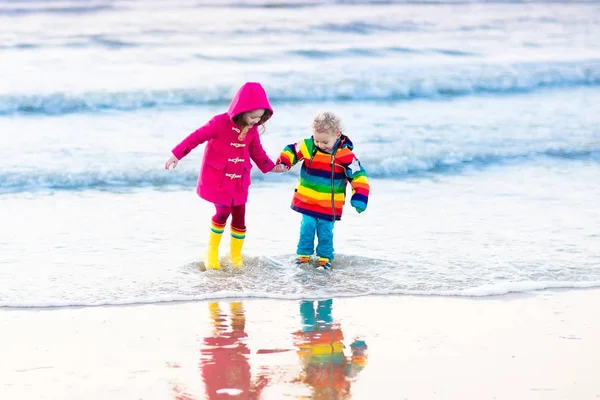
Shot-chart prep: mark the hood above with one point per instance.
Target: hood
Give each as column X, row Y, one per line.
column 250, row 96
column 345, row 142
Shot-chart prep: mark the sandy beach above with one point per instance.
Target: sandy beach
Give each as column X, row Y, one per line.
column 543, row 345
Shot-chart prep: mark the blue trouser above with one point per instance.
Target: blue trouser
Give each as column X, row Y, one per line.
column 323, row 229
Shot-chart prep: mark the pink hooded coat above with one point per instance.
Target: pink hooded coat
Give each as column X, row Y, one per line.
column 225, row 172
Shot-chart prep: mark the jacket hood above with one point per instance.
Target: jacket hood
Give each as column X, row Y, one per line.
column 251, row 96
column 346, row 142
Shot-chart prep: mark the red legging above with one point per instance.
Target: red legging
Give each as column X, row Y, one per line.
column 238, row 215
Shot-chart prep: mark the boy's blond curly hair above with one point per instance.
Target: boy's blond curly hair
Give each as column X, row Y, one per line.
column 327, row 121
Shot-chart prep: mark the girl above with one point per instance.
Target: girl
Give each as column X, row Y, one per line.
column 224, row 179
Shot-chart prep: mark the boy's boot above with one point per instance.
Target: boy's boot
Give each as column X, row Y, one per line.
column 236, row 244
column 212, row 254
column 302, row 259
column 324, row 262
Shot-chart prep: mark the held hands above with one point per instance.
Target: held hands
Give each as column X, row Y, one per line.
column 171, row 161
column 174, row 161
column 280, row 168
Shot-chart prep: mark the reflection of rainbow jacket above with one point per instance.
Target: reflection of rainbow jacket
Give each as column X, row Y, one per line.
column 321, row 190
column 325, row 364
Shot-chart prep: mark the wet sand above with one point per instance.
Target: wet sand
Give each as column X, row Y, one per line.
column 544, row 345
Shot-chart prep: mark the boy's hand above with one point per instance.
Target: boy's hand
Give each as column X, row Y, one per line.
column 358, row 205
column 280, row 168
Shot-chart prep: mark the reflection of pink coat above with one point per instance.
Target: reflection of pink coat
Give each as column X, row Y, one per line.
column 225, row 171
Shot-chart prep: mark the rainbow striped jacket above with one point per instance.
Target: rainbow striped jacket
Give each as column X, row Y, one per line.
column 321, row 189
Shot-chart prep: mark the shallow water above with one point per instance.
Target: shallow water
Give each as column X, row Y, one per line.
column 479, row 134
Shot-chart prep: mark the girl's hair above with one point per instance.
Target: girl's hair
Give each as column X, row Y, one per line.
column 239, row 120
column 327, row 122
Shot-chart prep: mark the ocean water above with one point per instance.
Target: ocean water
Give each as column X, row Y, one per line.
column 477, row 123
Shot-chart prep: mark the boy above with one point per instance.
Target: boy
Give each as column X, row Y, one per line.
column 328, row 165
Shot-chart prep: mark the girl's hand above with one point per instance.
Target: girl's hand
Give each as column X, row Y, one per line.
column 171, row 161
column 280, row 168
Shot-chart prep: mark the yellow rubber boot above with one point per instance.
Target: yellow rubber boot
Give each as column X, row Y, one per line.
column 214, row 239
column 237, row 242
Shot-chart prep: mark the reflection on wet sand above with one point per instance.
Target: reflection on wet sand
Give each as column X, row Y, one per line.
column 224, row 358
column 325, row 367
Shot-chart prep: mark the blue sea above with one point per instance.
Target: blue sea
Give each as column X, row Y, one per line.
column 478, row 123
